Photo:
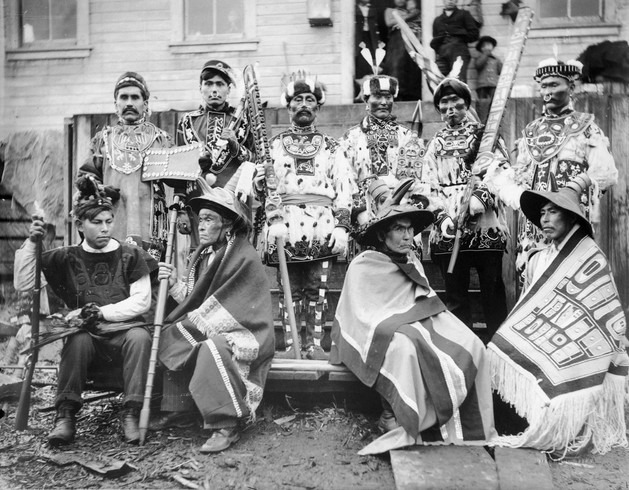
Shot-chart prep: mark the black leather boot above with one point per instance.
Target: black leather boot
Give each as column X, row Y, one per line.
column 65, row 424
column 130, row 419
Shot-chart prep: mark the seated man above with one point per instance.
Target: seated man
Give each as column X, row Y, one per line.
column 218, row 342
column 394, row 333
column 107, row 281
column 558, row 358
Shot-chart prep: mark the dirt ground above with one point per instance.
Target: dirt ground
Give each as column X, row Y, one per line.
column 297, row 442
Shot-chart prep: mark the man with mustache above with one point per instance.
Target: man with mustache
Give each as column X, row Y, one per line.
column 449, row 157
column 563, row 143
column 315, row 182
column 116, row 157
column 107, row 286
column 380, row 147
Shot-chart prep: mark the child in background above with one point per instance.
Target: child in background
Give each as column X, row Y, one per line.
column 488, row 66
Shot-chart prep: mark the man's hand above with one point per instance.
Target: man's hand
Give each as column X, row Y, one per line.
column 476, row 206
column 230, row 136
column 167, row 271
column 259, row 176
column 37, row 229
column 447, row 228
column 338, row 241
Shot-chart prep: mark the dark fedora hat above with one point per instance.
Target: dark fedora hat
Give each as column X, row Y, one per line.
column 485, row 39
column 567, row 198
column 391, row 210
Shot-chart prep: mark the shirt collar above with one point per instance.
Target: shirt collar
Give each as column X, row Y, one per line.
column 110, row 247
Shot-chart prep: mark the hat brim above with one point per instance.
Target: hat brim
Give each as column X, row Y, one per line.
column 420, row 220
column 198, row 203
column 220, row 72
column 532, row 202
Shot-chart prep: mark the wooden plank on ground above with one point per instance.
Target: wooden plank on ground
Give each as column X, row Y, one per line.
column 522, row 469
column 10, row 387
column 444, row 467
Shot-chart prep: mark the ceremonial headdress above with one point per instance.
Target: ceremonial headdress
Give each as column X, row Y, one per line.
column 220, row 67
column 550, row 67
column 92, row 198
column 300, row 83
column 132, row 79
column 452, row 86
column 379, row 84
column 377, row 189
column 567, row 198
column 485, row 39
column 392, row 209
column 220, row 200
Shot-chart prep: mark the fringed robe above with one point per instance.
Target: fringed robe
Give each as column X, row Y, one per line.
column 223, row 333
column 392, row 331
column 558, row 358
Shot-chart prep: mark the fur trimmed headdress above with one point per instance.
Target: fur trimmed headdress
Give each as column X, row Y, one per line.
column 379, row 84
column 92, row 198
column 300, row 83
column 550, row 67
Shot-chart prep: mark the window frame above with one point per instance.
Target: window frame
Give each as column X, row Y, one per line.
column 179, row 44
column 553, row 27
column 78, row 48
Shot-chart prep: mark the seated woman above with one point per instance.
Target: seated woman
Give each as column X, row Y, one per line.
column 394, row 333
column 218, row 343
column 559, row 357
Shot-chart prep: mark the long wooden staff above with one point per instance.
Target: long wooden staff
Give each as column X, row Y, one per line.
column 21, row 416
column 498, row 105
column 273, row 202
column 160, row 310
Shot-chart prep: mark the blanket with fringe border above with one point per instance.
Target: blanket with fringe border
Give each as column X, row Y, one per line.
column 559, row 358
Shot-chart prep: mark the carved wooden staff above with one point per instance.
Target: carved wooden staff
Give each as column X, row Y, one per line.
column 273, row 201
column 498, row 105
column 178, row 164
column 21, row 416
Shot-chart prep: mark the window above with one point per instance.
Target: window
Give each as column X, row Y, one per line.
column 214, row 18
column 570, row 9
column 203, row 25
column 46, row 29
column 47, row 21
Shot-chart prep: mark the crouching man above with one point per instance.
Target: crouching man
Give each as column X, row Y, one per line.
column 104, row 281
column 218, row 343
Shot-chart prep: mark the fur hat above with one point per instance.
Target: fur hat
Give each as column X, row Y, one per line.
column 300, row 83
column 454, row 86
column 392, row 209
column 132, row 79
column 92, row 198
column 550, row 67
column 220, row 67
column 379, row 84
column 567, row 198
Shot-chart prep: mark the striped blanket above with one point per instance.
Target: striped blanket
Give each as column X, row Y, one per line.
column 394, row 333
column 558, row 358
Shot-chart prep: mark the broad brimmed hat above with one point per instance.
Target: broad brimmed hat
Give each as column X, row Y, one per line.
column 455, row 86
column 567, row 198
column 218, row 199
column 380, row 84
column 221, row 68
column 486, row 39
column 391, row 210
column 132, row 79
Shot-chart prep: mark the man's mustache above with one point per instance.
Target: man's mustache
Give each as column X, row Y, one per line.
column 130, row 109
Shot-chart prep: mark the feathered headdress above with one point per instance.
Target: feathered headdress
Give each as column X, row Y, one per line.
column 301, row 83
column 92, row 198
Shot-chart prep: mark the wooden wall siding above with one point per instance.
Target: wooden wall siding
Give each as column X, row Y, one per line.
column 125, row 35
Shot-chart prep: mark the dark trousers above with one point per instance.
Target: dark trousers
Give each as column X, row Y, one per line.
column 448, row 54
column 130, row 350
column 488, row 265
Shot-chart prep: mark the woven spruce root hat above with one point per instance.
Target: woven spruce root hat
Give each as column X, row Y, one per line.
column 392, row 209
column 567, row 198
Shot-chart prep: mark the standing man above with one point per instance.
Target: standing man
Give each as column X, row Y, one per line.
column 450, row 156
column 116, row 157
column 315, row 182
column 452, row 31
column 563, row 143
column 106, row 284
column 380, row 147
column 221, row 128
